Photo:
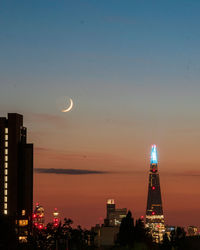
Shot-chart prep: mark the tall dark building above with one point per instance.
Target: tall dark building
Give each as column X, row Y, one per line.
column 154, row 211
column 16, row 172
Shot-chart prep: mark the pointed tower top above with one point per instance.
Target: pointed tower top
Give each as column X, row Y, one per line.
column 154, row 159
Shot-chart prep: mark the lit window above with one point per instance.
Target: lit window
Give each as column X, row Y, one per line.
column 6, row 130
column 6, row 137
column 5, row 192
column 6, row 144
column 6, row 165
column 6, row 158
column 5, row 211
column 5, row 199
column 6, row 173
column 23, row 239
column 23, row 223
column 5, row 185
column 5, row 205
column 23, row 212
column 6, row 151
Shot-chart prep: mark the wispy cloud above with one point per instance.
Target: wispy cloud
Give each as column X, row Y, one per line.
column 68, row 171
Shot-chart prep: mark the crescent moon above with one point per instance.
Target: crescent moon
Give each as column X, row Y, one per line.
column 70, row 106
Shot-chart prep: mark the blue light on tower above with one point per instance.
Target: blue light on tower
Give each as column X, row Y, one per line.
column 154, row 159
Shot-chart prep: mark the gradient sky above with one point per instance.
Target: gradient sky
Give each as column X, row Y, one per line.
column 132, row 69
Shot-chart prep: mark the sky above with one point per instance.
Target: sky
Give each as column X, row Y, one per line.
column 132, row 69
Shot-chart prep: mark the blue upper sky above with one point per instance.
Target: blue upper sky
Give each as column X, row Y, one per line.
column 121, row 61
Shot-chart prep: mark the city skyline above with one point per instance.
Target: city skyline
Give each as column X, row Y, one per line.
column 132, row 71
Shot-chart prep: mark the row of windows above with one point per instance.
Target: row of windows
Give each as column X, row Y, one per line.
column 6, row 173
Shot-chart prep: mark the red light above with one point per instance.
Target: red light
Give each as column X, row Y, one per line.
column 34, row 215
column 40, row 226
column 37, row 204
column 154, row 170
column 153, row 188
column 55, row 224
column 153, row 213
column 35, row 224
column 142, row 217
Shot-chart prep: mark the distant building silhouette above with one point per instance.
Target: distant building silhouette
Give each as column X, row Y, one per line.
column 114, row 215
column 154, row 211
column 38, row 216
column 106, row 234
column 16, row 173
column 55, row 217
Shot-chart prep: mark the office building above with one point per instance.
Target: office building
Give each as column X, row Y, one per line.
column 16, row 173
column 114, row 215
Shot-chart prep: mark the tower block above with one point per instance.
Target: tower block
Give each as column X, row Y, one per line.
column 154, row 211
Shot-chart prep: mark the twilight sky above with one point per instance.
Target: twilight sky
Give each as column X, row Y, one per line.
column 132, row 69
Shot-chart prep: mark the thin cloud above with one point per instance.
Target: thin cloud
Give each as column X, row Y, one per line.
column 68, row 171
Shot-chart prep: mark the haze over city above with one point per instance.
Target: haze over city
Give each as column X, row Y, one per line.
column 132, row 71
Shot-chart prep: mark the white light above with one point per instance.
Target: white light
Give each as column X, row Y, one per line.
column 110, row 201
column 5, row 211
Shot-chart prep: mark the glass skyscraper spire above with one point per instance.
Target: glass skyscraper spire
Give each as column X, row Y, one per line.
column 154, row 211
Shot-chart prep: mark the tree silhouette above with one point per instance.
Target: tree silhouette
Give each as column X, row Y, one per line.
column 126, row 231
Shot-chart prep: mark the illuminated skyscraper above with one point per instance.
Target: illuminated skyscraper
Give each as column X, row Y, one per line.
column 38, row 216
column 154, row 211
column 16, row 173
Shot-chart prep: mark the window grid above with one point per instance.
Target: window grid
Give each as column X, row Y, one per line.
column 6, row 172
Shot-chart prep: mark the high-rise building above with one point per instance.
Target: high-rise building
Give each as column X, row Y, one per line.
column 114, row 215
column 16, row 173
column 154, row 211
column 106, row 234
column 55, row 218
column 38, row 216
